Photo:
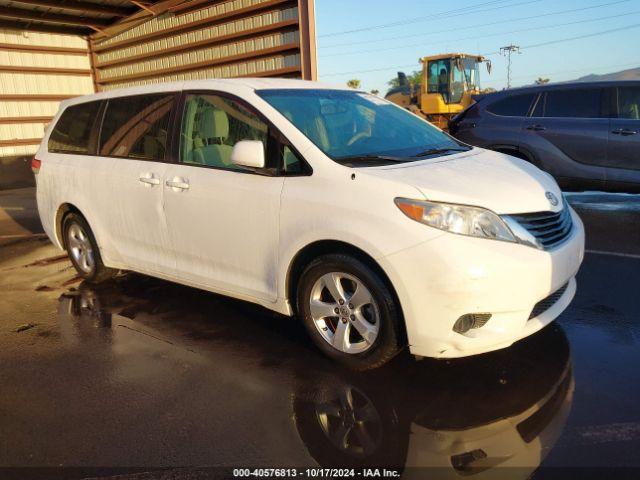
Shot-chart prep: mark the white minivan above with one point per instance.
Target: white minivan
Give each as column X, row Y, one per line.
column 376, row 229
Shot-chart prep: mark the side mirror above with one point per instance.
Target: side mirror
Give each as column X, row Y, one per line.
column 248, row 153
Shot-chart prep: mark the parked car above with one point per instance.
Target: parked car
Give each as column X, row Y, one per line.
column 373, row 227
column 587, row 135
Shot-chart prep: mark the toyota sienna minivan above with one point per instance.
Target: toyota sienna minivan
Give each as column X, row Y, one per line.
column 374, row 228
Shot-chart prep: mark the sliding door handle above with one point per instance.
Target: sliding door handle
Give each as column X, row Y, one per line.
column 149, row 179
column 178, row 183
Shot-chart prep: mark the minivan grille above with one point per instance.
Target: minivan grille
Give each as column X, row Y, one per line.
column 549, row 228
column 548, row 302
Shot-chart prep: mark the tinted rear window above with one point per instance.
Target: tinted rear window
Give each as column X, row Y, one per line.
column 513, row 106
column 72, row 133
column 582, row 103
column 136, row 127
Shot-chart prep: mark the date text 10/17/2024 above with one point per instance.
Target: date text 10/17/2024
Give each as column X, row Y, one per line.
column 316, row 473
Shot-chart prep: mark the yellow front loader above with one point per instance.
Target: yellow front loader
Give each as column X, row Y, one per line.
column 447, row 86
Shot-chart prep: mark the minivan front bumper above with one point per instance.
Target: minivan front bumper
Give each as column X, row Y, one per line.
column 441, row 280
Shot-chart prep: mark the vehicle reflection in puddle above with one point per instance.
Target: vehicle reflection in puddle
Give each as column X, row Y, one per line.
column 472, row 416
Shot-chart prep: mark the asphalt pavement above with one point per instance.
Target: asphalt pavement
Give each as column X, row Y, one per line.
column 142, row 378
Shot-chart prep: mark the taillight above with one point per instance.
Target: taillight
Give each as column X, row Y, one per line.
column 35, row 165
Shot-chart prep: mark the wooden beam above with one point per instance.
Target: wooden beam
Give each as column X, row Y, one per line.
column 45, row 70
column 52, row 18
column 30, row 97
column 187, row 27
column 187, row 6
column 308, row 56
column 15, row 47
column 78, row 6
column 202, row 43
column 201, row 65
column 94, row 71
column 13, row 120
column 41, row 27
column 142, row 6
column 18, row 142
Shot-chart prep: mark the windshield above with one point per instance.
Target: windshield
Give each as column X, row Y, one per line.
column 355, row 128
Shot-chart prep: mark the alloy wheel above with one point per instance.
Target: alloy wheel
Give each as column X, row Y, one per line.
column 344, row 312
column 80, row 248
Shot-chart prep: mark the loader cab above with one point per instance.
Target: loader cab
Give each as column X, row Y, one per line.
column 452, row 76
column 450, row 82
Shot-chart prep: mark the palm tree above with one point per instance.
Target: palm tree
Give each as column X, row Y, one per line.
column 353, row 83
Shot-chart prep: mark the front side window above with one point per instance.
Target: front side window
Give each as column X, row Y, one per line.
column 72, row 133
column 574, row 103
column 472, row 73
column 629, row 103
column 136, row 127
column 458, row 83
column 513, row 106
column 212, row 125
column 359, row 129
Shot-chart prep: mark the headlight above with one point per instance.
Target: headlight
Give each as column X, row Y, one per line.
column 460, row 219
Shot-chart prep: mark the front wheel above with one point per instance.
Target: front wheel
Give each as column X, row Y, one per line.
column 349, row 312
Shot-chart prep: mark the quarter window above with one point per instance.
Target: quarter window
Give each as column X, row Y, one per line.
column 72, row 133
column 578, row 103
column 629, row 103
column 513, row 106
column 136, row 127
column 212, row 125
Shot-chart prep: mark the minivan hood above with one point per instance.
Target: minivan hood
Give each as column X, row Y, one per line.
column 483, row 178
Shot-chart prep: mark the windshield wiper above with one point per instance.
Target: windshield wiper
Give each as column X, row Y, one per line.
column 437, row 151
column 371, row 159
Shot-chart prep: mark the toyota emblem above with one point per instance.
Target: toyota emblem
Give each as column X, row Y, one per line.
column 553, row 200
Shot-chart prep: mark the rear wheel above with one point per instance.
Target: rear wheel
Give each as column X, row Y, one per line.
column 349, row 312
column 83, row 250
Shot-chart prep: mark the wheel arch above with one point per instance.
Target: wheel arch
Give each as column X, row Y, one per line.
column 61, row 213
column 323, row 247
column 517, row 152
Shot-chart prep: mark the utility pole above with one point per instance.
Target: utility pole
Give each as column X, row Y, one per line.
column 507, row 51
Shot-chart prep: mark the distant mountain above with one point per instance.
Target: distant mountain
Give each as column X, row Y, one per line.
column 631, row 74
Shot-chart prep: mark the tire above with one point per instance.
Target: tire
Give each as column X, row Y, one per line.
column 83, row 250
column 360, row 335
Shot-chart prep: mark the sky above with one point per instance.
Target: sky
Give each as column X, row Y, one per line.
column 371, row 40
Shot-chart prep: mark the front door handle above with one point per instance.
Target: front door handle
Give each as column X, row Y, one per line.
column 178, row 184
column 149, row 179
column 536, row 128
column 624, row 131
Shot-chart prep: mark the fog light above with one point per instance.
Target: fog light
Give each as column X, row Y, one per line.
column 471, row 320
column 464, row 462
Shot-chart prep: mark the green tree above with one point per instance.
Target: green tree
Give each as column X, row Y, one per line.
column 415, row 77
column 354, row 83
column 542, row 81
column 375, row 91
